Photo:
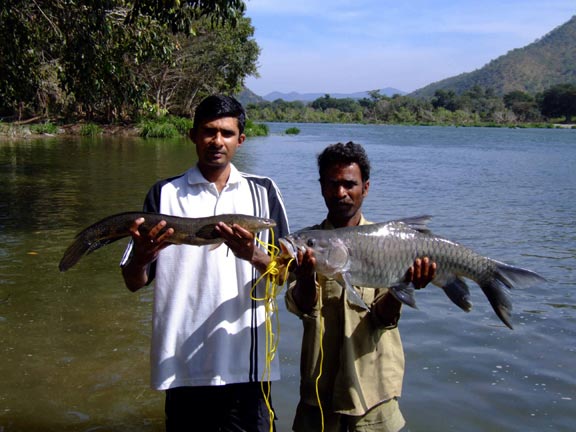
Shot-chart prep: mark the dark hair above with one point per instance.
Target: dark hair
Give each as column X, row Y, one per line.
column 218, row 106
column 344, row 154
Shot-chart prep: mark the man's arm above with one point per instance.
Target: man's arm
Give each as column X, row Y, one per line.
column 304, row 292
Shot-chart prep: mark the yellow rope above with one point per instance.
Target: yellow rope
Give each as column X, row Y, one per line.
column 321, row 318
column 273, row 279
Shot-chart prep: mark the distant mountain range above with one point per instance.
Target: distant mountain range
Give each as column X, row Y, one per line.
column 548, row 61
column 248, row 96
column 309, row 97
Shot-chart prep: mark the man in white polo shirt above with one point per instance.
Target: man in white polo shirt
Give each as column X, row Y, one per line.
column 208, row 340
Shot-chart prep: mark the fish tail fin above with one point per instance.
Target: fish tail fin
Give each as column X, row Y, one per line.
column 498, row 297
column 80, row 246
column 505, row 278
column 73, row 253
column 516, row 277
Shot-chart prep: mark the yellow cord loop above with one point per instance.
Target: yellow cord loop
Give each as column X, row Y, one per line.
column 274, row 278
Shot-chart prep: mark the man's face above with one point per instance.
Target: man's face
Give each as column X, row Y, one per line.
column 343, row 192
column 217, row 141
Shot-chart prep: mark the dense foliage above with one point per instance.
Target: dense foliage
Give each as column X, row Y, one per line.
column 560, row 100
column 477, row 106
column 115, row 59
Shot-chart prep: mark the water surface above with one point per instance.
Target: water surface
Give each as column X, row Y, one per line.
column 74, row 346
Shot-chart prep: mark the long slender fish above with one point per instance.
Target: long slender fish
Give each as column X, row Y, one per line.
column 378, row 255
column 187, row 231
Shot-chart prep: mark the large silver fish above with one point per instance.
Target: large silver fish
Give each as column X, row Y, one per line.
column 378, row 256
column 188, row 231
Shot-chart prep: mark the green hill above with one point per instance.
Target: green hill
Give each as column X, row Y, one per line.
column 548, row 61
column 247, row 96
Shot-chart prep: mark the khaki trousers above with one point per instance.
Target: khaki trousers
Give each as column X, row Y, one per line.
column 385, row 417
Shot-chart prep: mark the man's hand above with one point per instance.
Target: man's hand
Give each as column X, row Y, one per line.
column 146, row 250
column 421, row 273
column 304, row 264
column 239, row 240
column 147, row 246
column 304, row 293
column 241, row 243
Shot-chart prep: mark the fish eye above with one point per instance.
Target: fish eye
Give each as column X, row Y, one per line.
column 310, row 243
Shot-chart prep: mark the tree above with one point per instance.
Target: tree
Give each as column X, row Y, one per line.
column 93, row 51
column 217, row 59
column 522, row 104
column 559, row 101
column 180, row 15
column 26, row 38
column 446, row 99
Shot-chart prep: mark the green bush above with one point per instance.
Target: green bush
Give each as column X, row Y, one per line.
column 90, row 129
column 165, row 127
column 255, row 129
column 292, row 131
column 183, row 124
column 154, row 129
column 44, row 128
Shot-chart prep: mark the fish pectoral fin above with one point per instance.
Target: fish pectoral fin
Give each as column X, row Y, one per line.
column 404, row 293
column 216, row 245
column 207, row 232
column 351, row 294
column 457, row 290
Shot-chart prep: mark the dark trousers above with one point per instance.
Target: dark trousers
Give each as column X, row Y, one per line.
column 227, row 408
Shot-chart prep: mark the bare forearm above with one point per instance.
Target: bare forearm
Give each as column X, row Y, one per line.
column 305, row 294
column 387, row 310
column 260, row 260
column 135, row 276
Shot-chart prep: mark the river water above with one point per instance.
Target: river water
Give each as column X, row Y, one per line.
column 74, row 345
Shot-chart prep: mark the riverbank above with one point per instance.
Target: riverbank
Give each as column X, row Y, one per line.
column 9, row 131
column 163, row 127
column 38, row 130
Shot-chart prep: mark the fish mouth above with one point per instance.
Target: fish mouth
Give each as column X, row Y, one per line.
column 288, row 247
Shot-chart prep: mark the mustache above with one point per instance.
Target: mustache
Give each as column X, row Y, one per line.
column 341, row 202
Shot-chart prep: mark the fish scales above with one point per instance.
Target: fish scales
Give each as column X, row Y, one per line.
column 379, row 255
column 382, row 256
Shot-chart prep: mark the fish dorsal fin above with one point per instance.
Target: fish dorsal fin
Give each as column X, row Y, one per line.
column 417, row 223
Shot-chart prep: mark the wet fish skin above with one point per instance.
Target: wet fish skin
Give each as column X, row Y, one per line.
column 378, row 255
column 187, row 231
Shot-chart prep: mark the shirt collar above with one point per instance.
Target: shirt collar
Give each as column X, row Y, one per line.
column 196, row 177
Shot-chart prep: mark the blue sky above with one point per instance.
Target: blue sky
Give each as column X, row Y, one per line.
column 345, row 46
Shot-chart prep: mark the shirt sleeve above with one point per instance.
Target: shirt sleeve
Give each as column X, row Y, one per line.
column 151, row 205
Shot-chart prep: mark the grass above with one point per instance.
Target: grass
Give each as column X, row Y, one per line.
column 165, row 127
column 90, row 129
column 44, row 128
